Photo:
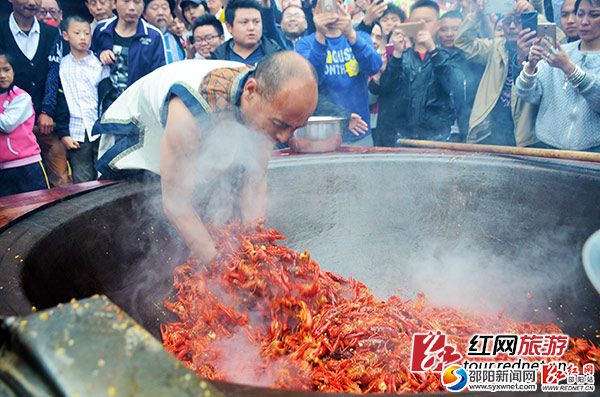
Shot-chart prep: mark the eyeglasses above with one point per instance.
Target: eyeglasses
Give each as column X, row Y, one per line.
column 206, row 39
column 55, row 13
column 512, row 18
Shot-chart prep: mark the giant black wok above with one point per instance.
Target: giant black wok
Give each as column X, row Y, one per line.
column 476, row 231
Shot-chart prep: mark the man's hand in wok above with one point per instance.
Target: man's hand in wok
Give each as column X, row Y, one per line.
column 178, row 150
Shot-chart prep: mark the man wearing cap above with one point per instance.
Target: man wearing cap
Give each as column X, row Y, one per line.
column 159, row 13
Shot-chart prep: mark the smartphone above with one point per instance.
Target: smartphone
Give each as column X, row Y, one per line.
column 330, row 6
column 411, row 28
column 498, row 7
column 389, row 50
column 529, row 20
column 547, row 30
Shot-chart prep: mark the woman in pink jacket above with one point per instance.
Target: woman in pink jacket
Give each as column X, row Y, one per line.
column 21, row 168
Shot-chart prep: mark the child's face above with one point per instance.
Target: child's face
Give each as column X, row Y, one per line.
column 7, row 75
column 177, row 27
column 79, row 35
column 129, row 10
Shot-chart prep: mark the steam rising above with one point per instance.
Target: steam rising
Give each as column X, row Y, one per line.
column 460, row 267
column 468, row 276
column 230, row 157
column 241, row 360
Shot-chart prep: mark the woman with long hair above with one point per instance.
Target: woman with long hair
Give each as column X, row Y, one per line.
column 565, row 82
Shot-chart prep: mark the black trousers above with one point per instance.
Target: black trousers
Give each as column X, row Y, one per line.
column 83, row 161
column 23, row 179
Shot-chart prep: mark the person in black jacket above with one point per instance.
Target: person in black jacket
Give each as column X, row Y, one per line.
column 414, row 97
column 465, row 77
column 248, row 45
column 36, row 49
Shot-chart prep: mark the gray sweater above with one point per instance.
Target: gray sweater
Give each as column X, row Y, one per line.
column 568, row 118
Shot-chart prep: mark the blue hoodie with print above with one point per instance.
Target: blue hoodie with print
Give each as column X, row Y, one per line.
column 343, row 71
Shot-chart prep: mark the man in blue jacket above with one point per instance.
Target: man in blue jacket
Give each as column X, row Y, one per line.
column 344, row 59
column 131, row 46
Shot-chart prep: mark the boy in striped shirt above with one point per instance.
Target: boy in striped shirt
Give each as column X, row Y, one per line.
column 80, row 73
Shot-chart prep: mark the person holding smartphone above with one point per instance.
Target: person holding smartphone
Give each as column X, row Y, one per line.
column 344, row 60
column 414, row 98
column 497, row 117
column 466, row 77
column 565, row 83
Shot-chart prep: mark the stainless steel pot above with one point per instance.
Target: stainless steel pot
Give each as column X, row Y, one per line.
column 591, row 259
column 320, row 134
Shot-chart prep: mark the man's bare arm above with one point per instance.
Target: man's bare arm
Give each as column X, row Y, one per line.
column 178, row 157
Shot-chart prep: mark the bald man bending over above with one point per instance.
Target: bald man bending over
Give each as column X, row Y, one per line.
column 185, row 122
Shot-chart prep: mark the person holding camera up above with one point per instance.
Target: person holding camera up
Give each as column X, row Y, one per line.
column 344, row 59
column 564, row 82
column 414, row 90
column 498, row 117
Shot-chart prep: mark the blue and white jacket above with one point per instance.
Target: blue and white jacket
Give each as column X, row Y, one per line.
column 146, row 53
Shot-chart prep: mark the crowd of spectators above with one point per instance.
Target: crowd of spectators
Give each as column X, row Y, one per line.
column 465, row 74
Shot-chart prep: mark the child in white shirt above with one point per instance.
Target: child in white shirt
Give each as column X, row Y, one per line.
column 80, row 73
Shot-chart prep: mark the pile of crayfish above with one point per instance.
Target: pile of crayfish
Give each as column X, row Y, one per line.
column 264, row 314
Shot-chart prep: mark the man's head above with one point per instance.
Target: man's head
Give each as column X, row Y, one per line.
column 207, row 34
column 26, row 8
column 511, row 26
column 50, row 12
column 427, row 11
column 159, row 13
column 286, row 3
column 293, row 22
column 100, row 9
column 129, row 11
column 280, row 96
column 568, row 19
column 214, row 6
column 192, row 9
column 244, row 22
column 391, row 18
column 588, row 19
column 78, row 33
column 449, row 25
column 377, row 36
